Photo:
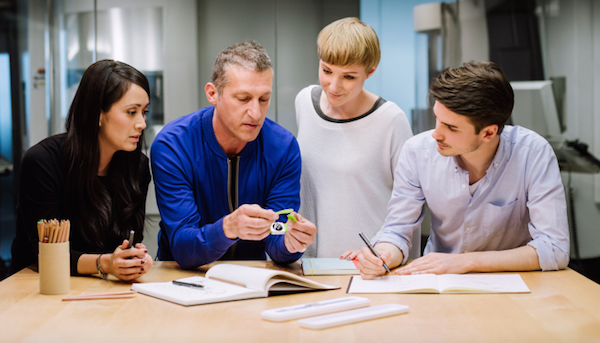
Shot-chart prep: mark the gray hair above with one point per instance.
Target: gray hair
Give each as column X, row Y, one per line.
column 249, row 54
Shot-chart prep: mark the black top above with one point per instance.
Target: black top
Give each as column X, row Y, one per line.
column 42, row 196
column 315, row 95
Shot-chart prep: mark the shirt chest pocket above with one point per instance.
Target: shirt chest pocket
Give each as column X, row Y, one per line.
column 503, row 218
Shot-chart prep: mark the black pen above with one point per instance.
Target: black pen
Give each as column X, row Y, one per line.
column 131, row 233
column 188, row 284
column 366, row 240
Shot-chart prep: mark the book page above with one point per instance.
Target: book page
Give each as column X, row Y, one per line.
column 213, row 291
column 250, row 277
column 424, row 283
column 289, row 281
column 259, row 278
column 482, row 283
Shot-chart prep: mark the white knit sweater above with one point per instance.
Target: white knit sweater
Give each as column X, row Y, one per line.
column 347, row 172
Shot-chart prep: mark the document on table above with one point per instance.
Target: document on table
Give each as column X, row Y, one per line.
column 447, row 283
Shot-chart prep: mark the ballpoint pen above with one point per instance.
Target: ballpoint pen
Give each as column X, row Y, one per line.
column 188, row 284
column 368, row 243
column 131, row 233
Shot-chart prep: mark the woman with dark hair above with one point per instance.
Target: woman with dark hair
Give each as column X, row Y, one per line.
column 95, row 175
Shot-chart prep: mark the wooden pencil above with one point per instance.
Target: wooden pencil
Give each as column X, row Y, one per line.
column 50, row 231
column 55, row 225
column 65, row 235
column 54, row 231
column 61, row 227
column 108, row 295
column 40, row 228
column 45, row 231
column 57, row 233
column 100, row 297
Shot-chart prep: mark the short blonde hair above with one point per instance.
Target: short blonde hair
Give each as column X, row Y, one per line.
column 349, row 41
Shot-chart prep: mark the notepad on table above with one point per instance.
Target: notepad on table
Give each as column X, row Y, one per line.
column 447, row 283
column 226, row 282
column 328, row 266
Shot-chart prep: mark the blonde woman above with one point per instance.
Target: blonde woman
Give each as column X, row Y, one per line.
column 349, row 139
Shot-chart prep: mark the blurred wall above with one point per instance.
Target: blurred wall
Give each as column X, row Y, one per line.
column 287, row 29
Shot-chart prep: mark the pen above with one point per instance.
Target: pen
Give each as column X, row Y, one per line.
column 131, row 233
column 366, row 240
column 187, row 284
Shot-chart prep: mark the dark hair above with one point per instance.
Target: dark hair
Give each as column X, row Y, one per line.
column 478, row 90
column 248, row 54
column 103, row 83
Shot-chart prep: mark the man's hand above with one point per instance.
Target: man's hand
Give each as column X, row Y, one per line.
column 300, row 234
column 369, row 265
column 438, row 263
column 249, row 222
column 518, row 259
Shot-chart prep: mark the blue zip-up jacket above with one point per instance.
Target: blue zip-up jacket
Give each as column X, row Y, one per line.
column 191, row 177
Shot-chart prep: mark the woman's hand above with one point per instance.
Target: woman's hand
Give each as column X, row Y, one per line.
column 350, row 254
column 127, row 264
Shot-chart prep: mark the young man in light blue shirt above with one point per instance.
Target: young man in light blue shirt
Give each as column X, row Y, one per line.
column 495, row 192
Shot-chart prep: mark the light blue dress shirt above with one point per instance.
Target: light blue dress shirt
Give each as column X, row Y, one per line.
column 520, row 201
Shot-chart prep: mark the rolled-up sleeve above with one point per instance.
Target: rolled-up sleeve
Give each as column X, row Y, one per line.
column 405, row 208
column 547, row 207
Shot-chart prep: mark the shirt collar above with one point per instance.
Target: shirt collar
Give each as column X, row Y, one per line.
column 501, row 156
column 503, row 152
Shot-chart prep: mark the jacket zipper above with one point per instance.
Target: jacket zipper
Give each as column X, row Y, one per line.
column 233, row 167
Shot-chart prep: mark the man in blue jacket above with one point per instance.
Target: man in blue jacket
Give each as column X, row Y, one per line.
column 222, row 172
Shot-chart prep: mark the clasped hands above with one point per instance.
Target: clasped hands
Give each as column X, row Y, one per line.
column 252, row 223
column 127, row 264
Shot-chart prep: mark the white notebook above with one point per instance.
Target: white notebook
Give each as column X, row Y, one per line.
column 226, row 282
column 446, row 283
column 328, row 266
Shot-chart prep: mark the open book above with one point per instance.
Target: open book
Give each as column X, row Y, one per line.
column 447, row 283
column 328, row 266
column 226, row 282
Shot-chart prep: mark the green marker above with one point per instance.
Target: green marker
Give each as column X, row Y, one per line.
column 278, row 228
column 287, row 211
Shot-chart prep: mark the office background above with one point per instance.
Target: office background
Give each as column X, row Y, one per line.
column 46, row 45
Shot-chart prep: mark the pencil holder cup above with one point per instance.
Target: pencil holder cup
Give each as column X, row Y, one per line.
column 54, row 266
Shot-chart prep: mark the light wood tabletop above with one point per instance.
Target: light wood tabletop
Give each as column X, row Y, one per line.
column 563, row 306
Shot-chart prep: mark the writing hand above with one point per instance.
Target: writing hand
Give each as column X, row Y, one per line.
column 369, row 265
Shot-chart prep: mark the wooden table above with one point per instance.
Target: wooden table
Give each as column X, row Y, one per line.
column 563, row 306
